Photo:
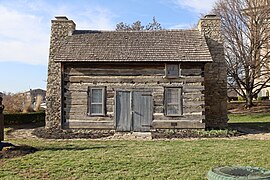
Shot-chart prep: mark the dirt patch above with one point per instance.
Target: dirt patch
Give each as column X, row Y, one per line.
column 189, row 133
column 244, row 130
column 261, row 136
column 47, row 133
column 239, row 108
column 16, row 151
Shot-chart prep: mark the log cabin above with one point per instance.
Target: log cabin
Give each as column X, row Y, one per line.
column 136, row 81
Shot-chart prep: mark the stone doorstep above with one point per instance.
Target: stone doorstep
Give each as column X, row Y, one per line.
column 132, row 135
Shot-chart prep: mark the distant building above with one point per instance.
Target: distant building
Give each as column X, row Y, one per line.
column 262, row 8
column 33, row 93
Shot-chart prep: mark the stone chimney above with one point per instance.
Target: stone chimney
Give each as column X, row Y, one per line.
column 215, row 74
column 60, row 29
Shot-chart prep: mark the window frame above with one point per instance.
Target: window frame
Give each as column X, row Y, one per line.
column 172, row 76
column 103, row 101
column 179, row 103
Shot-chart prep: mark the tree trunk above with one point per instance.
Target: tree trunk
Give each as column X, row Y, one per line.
column 249, row 101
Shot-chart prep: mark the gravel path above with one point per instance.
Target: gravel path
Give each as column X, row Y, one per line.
column 26, row 133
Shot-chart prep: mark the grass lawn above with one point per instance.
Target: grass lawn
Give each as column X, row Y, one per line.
column 178, row 159
column 259, row 122
column 88, row 159
column 250, row 118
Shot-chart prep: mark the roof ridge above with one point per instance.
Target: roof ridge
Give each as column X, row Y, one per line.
column 131, row 31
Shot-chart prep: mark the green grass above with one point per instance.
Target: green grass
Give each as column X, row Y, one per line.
column 87, row 159
column 240, row 118
column 179, row 159
column 257, row 122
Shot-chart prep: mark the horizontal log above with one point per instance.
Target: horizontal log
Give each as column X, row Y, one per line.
column 158, row 96
column 115, row 72
column 75, row 106
column 85, row 117
column 193, row 103
column 76, row 101
column 89, row 125
column 84, row 101
column 193, row 84
column 77, row 110
column 158, row 102
column 76, row 94
column 83, row 87
column 193, row 97
column 82, row 106
column 82, row 109
column 193, row 79
column 193, row 109
column 128, row 79
column 187, row 88
column 110, row 94
column 191, row 72
column 191, row 65
column 178, row 125
column 158, row 109
column 110, row 108
column 193, row 90
column 158, row 116
column 112, row 87
column 193, row 113
column 122, row 65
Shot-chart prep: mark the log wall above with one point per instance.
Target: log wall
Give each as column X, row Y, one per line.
column 77, row 78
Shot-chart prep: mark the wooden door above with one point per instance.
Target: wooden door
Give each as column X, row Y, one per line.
column 123, row 111
column 134, row 111
column 142, row 111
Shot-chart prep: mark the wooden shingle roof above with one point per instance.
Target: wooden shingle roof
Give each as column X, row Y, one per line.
column 132, row 46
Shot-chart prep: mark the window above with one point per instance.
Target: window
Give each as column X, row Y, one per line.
column 173, row 101
column 96, row 99
column 172, row 70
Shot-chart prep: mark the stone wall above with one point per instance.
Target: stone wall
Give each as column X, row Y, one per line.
column 215, row 74
column 60, row 29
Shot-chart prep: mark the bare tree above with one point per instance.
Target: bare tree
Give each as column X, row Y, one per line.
column 14, row 102
column 246, row 26
column 137, row 26
column 38, row 102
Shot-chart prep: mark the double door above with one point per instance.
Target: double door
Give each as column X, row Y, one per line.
column 134, row 110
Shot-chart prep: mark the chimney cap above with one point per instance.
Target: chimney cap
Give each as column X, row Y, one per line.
column 61, row 18
column 210, row 16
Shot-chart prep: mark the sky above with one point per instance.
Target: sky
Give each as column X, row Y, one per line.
column 25, row 29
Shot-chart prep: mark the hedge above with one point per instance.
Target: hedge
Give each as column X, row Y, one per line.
column 24, row 118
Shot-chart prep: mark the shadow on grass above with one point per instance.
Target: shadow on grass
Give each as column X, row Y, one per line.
column 26, row 126
column 12, row 151
column 251, row 127
column 76, row 148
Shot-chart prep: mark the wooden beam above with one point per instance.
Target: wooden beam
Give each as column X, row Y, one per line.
column 178, row 125
column 89, row 125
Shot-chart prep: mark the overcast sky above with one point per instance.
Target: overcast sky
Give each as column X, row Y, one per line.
column 25, row 29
